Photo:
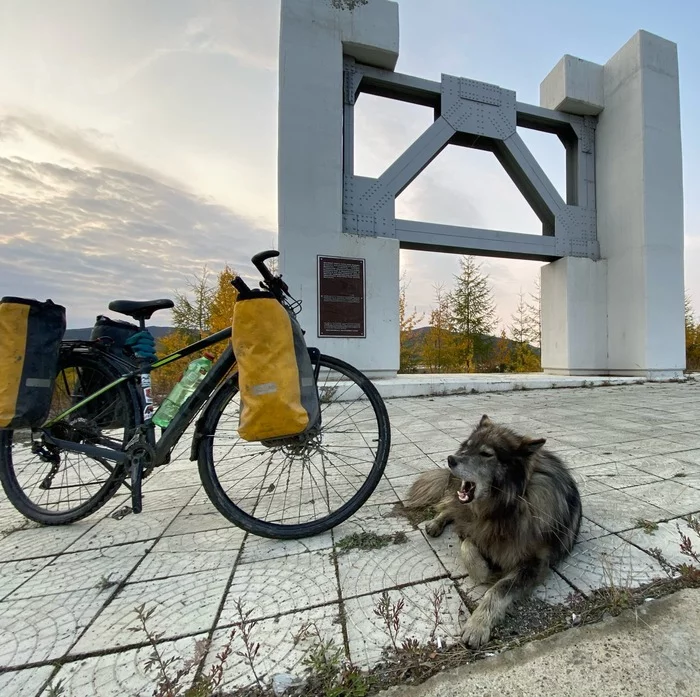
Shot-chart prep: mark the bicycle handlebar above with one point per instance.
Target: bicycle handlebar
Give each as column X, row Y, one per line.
column 259, row 263
column 274, row 284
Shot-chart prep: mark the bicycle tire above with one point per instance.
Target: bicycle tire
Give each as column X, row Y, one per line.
column 125, row 400
column 263, row 528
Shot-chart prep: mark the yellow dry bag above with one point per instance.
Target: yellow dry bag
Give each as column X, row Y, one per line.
column 30, row 341
column 278, row 391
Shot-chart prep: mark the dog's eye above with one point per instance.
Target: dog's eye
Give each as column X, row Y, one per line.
column 485, row 453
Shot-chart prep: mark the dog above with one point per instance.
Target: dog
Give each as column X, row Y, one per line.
column 515, row 507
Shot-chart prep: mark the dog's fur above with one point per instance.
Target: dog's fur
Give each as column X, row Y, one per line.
column 522, row 515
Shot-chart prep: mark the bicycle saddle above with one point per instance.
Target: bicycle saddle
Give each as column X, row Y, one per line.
column 140, row 309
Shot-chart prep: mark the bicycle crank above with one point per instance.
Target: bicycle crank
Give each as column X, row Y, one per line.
column 141, row 458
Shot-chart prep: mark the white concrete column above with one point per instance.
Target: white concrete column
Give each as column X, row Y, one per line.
column 640, row 208
column 574, row 317
column 313, row 38
column 639, row 193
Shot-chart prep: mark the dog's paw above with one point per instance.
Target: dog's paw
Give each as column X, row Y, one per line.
column 477, row 631
column 434, row 528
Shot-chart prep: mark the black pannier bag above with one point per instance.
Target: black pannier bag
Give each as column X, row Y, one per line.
column 103, row 410
column 30, row 342
column 113, row 333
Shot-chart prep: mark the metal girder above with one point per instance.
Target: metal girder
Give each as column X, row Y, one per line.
column 416, row 157
column 476, row 115
column 466, row 240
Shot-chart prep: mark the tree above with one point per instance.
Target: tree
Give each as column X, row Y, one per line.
column 440, row 345
column 409, row 351
column 164, row 379
column 523, row 330
column 692, row 337
column 193, row 316
column 502, row 358
column 525, row 360
column 534, row 314
column 473, row 312
column 223, row 300
column 210, row 310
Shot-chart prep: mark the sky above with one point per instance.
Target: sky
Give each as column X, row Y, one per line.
column 138, row 139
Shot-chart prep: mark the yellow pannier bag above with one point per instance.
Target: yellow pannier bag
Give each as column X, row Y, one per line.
column 278, row 391
column 30, row 342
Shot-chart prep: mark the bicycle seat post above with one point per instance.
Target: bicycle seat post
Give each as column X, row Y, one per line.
column 137, row 464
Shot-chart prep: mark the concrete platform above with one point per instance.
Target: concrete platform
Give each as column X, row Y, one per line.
column 434, row 384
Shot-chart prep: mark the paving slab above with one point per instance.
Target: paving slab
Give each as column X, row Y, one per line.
column 42, row 629
column 430, row 611
column 409, row 560
column 181, row 605
column 25, row 683
column 123, row 674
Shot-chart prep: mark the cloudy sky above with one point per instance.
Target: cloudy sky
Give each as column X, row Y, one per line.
column 138, row 139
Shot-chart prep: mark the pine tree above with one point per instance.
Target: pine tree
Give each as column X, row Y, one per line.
column 473, row 312
column 523, row 332
column 534, row 315
column 502, row 358
column 439, row 348
column 409, row 351
column 193, row 316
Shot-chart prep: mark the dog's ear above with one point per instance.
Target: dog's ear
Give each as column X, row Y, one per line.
column 485, row 421
column 532, row 445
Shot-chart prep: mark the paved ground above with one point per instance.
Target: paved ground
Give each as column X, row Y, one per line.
column 67, row 596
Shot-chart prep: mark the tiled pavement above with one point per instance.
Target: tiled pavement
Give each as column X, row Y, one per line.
column 67, row 595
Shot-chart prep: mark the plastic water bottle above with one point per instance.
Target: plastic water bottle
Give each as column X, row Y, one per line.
column 194, row 374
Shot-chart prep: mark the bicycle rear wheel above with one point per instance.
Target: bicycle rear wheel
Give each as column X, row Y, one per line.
column 303, row 486
column 55, row 487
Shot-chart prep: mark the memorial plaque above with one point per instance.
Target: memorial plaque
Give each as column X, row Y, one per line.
column 341, row 297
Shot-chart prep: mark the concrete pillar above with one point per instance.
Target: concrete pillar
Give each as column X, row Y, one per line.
column 313, row 38
column 639, row 193
column 574, row 317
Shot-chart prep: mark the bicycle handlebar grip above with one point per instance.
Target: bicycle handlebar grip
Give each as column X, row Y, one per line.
column 259, row 262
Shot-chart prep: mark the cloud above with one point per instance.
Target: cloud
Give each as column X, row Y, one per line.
column 87, row 236
column 240, row 29
column 23, row 126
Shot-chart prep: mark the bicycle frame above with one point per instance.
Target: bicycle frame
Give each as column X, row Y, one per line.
column 172, row 434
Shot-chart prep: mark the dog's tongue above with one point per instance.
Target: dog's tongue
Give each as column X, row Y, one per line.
column 466, row 492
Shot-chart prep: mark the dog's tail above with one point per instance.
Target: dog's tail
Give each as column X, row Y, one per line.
column 429, row 488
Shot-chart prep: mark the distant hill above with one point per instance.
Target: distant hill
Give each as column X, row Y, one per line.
column 418, row 336
column 83, row 334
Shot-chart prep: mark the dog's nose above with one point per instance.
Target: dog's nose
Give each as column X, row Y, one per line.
column 451, row 461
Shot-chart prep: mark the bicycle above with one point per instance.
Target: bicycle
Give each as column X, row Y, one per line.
column 110, row 428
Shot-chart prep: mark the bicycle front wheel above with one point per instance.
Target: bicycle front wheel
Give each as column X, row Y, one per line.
column 302, row 486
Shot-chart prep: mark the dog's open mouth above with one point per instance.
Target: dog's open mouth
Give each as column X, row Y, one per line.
column 466, row 492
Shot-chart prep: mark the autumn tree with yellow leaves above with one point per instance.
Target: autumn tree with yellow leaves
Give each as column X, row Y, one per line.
column 441, row 346
column 692, row 338
column 205, row 310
